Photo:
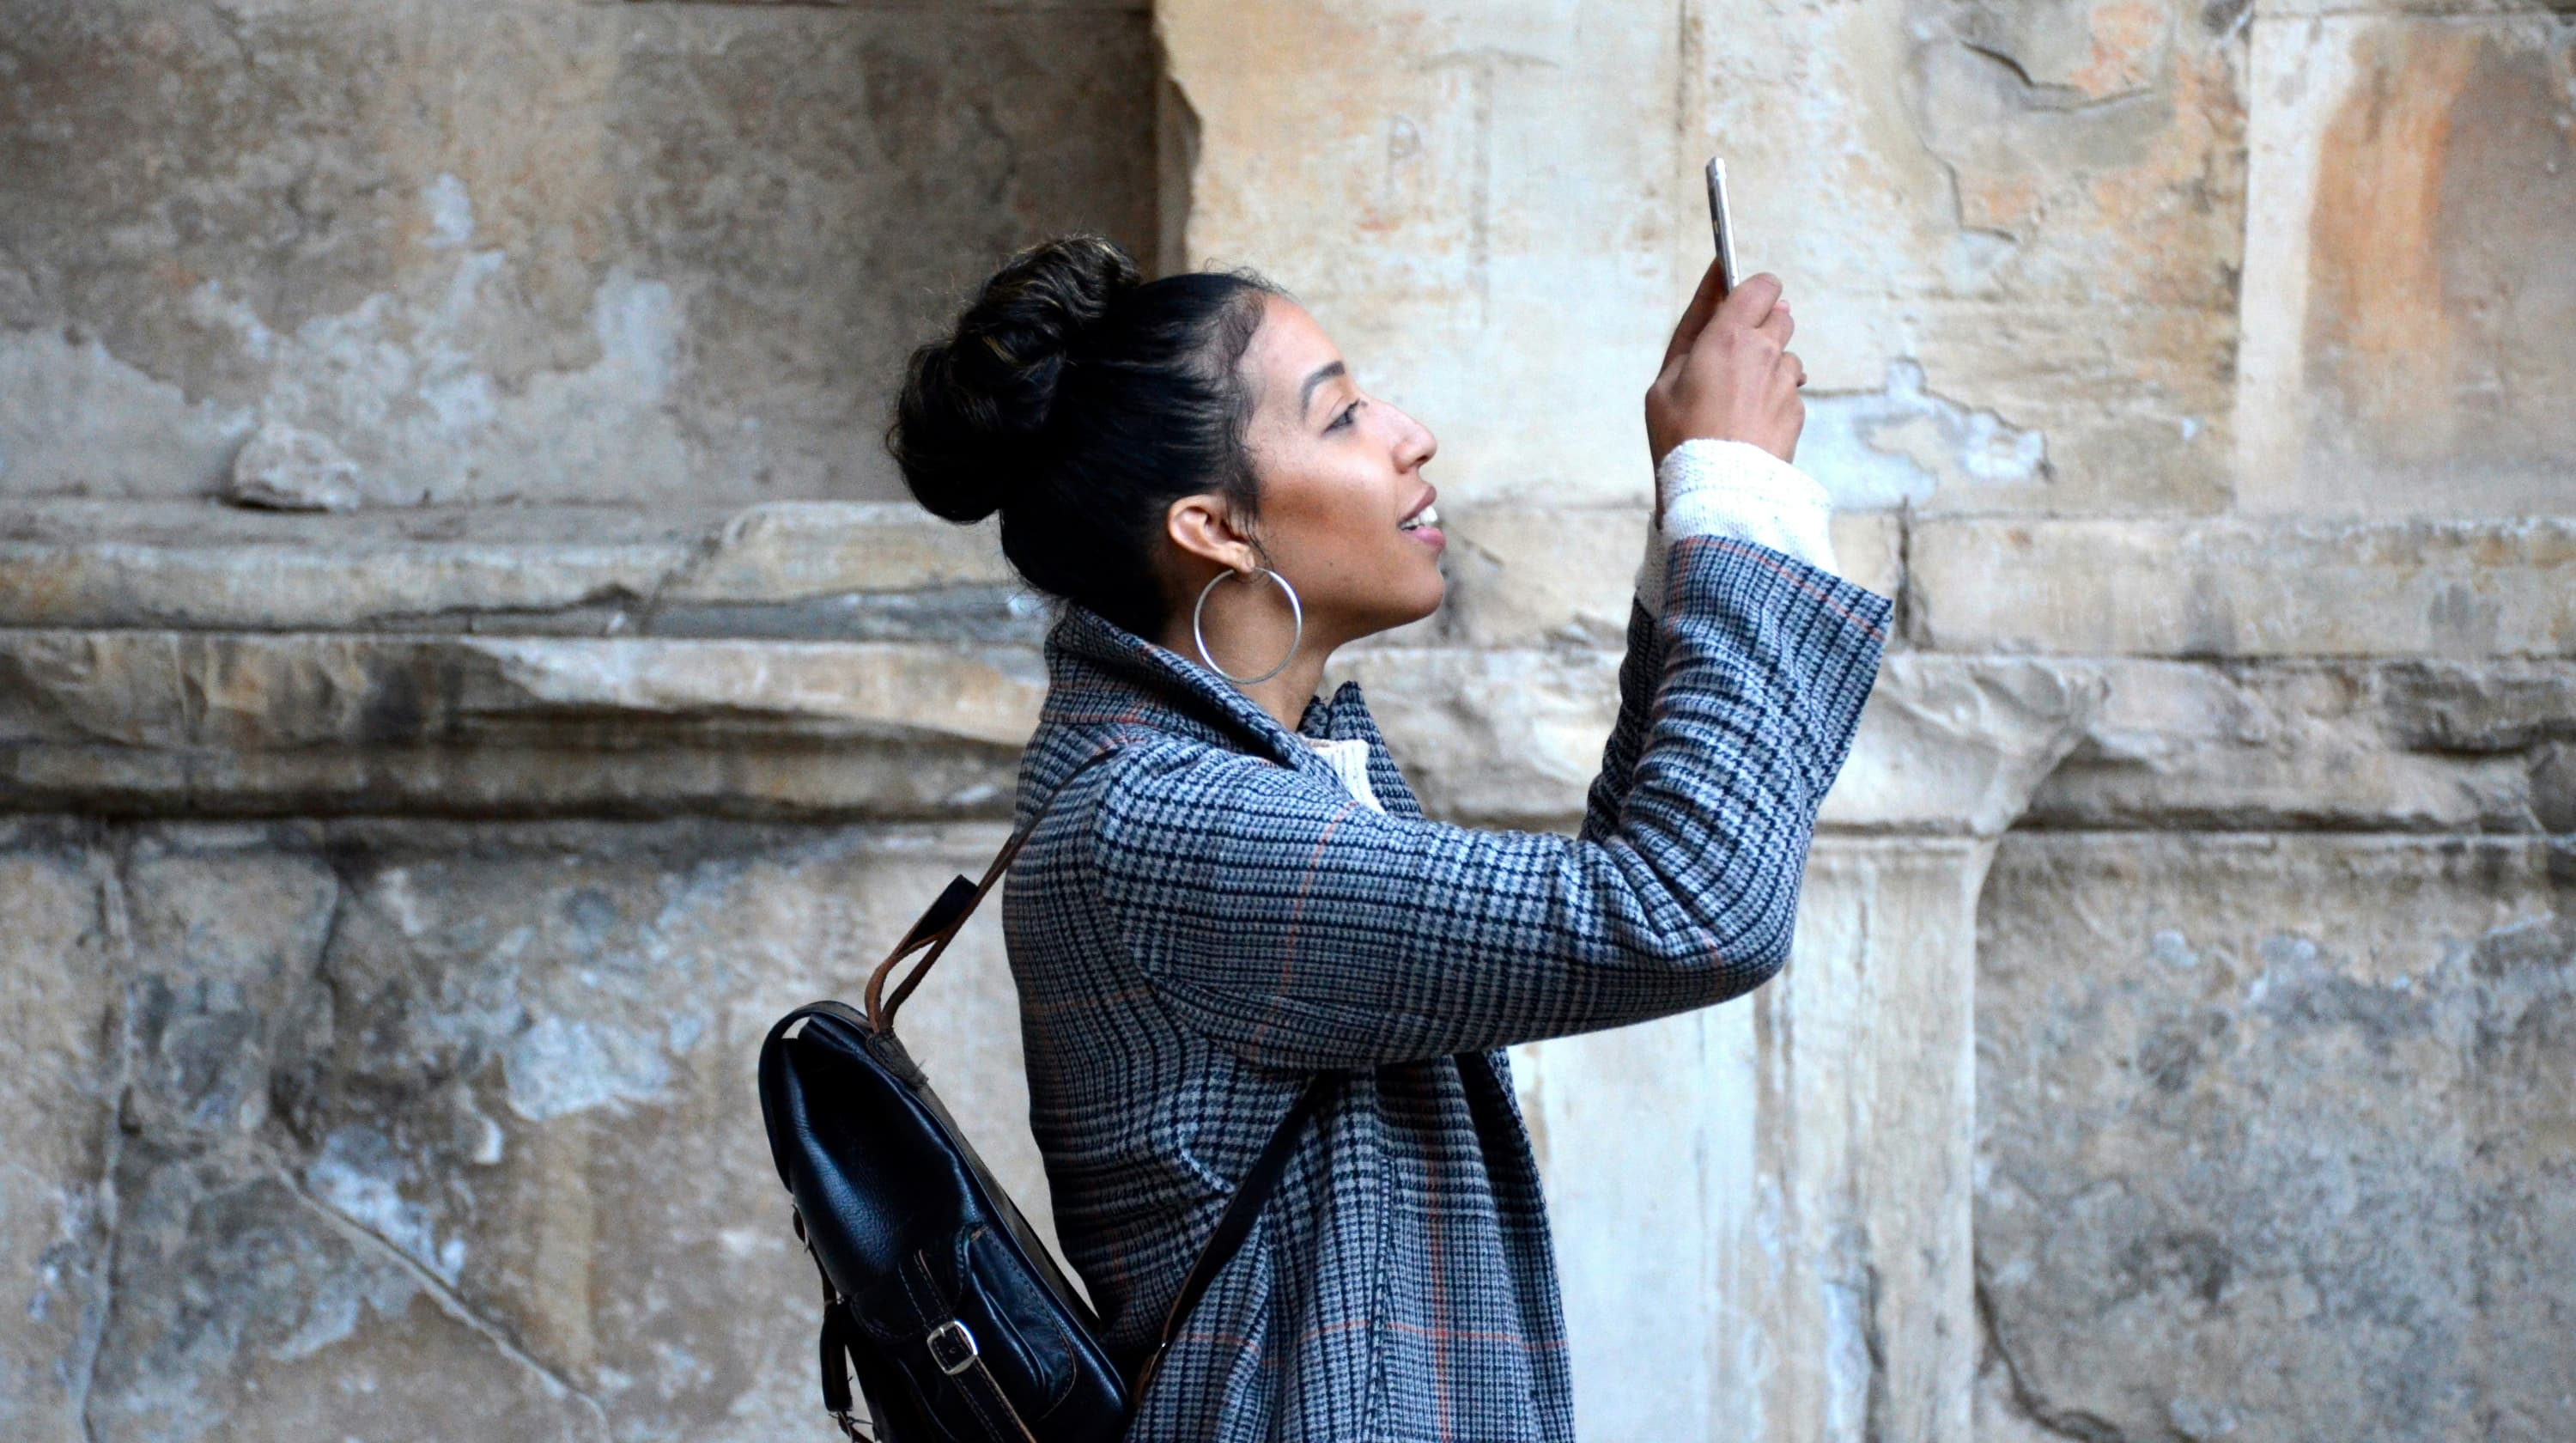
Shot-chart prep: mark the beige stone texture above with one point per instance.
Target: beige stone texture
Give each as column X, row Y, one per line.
column 2012, row 230
column 1469, row 207
column 2246, row 587
column 812, row 570
column 524, row 252
column 2410, row 317
column 1953, row 177
column 177, row 721
column 1762, row 1209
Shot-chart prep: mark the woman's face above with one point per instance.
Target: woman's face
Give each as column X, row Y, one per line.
column 1340, row 472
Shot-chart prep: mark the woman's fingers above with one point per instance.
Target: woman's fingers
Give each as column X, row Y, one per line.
column 1778, row 325
column 1733, row 377
column 1751, row 303
column 1703, row 303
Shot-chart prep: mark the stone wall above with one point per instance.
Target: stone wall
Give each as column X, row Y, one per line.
column 2180, row 1035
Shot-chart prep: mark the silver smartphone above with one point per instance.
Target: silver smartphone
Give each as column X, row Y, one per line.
column 1721, row 222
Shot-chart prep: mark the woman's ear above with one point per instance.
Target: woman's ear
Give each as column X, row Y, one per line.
column 1201, row 526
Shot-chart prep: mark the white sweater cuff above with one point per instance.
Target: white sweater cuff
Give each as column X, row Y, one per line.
column 1737, row 489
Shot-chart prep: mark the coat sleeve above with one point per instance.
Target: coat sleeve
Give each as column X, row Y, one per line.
column 1639, row 669
column 1298, row 928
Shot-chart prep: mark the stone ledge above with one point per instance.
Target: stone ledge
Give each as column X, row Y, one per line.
column 2245, row 587
column 818, row 570
column 2409, row 746
column 1518, row 577
column 536, row 570
column 265, row 724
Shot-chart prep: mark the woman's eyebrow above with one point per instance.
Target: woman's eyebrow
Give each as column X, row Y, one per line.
column 1306, row 394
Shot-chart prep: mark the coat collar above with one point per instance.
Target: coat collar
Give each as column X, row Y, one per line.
column 1100, row 673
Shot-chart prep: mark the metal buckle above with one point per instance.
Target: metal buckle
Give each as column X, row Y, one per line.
column 850, row 1429
column 962, row 1364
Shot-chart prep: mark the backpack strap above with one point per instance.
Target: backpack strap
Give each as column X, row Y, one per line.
column 1236, row 1222
column 941, row 921
column 938, row 926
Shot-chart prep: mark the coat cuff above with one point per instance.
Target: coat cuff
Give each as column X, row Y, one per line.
column 1710, row 487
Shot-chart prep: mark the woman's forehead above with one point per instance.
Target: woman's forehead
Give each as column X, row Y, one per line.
column 1290, row 350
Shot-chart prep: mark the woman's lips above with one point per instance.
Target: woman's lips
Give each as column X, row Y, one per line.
column 1429, row 531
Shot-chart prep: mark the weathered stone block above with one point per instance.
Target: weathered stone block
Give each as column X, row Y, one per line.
column 1954, row 179
column 812, row 570
column 1466, row 180
column 1945, row 185
column 2246, row 587
column 181, row 722
column 444, row 1131
column 1950, row 744
column 2275, row 1137
column 528, row 252
column 226, row 932
column 2429, row 746
column 246, row 1310
column 1761, row 1208
column 537, row 1087
column 302, row 578
column 2410, row 315
column 58, row 1029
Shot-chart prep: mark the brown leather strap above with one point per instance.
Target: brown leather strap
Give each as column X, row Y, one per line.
column 941, row 921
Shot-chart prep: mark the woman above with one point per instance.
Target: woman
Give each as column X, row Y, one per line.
column 1245, row 892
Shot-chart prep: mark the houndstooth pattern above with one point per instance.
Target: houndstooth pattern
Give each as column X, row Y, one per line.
column 1209, row 915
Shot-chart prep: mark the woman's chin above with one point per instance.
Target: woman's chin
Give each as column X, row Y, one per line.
column 1439, row 593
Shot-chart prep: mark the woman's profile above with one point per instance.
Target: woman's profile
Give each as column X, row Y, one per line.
column 1246, row 892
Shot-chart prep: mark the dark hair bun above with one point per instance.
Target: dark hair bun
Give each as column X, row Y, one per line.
column 973, row 412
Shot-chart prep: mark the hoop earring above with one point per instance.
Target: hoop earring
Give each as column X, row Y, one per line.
column 1294, row 610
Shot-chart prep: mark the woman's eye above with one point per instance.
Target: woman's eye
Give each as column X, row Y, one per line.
column 1344, row 418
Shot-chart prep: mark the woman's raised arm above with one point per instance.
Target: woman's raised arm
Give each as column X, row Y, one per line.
column 1298, row 928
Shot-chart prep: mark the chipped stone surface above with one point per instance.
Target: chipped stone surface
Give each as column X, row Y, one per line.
column 1479, row 181
column 2410, row 333
column 1902, row 446
column 2422, row 746
column 59, row 1025
column 1946, row 746
column 2034, row 208
column 1491, row 735
column 2246, row 587
column 438, row 1132
column 292, row 469
column 1936, row 182
column 524, row 253
column 178, row 721
column 2275, row 1135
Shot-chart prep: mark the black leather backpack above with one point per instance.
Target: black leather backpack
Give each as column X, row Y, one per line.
column 956, row 1319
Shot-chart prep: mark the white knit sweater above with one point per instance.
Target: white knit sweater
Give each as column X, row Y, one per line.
column 1708, row 488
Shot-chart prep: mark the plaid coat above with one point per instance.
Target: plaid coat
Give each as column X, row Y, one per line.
column 1210, row 915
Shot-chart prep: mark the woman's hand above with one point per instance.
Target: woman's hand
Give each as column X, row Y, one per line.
column 1728, row 373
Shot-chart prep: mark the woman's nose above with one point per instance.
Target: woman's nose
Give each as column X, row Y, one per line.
column 1420, row 445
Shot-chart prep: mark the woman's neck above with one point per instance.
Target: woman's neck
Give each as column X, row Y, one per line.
column 1283, row 696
